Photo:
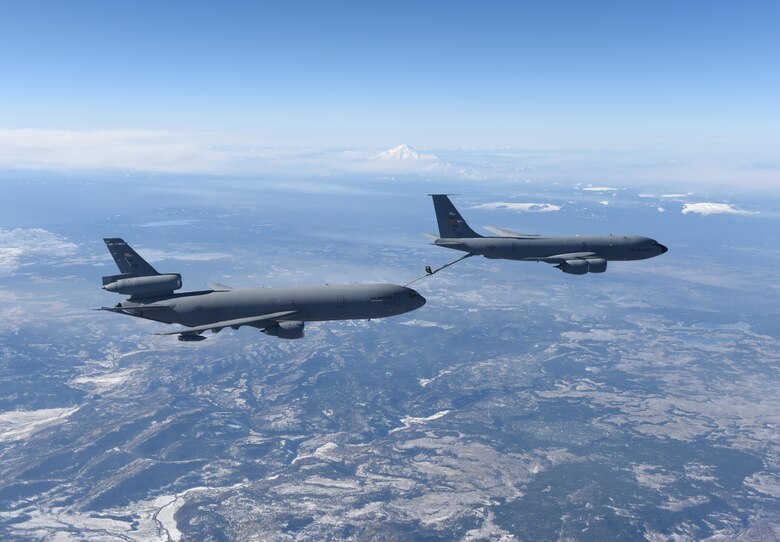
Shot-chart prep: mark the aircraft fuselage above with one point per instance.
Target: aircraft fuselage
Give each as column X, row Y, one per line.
column 611, row 248
column 310, row 303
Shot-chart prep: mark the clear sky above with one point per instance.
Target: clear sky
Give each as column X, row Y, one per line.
column 696, row 74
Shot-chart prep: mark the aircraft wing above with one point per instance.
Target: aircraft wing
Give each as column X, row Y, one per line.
column 503, row 232
column 123, row 310
column 558, row 258
column 262, row 320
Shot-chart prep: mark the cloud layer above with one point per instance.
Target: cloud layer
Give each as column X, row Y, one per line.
column 521, row 207
column 707, row 208
column 18, row 243
column 196, row 152
column 238, row 153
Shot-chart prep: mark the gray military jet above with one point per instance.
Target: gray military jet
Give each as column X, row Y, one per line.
column 280, row 312
column 576, row 255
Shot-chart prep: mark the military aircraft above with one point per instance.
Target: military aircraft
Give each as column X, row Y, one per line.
column 280, row 312
column 576, row 255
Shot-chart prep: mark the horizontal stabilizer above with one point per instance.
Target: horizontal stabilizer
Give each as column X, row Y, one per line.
column 431, row 236
column 262, row 320
column 449, row 243
column 503, row 232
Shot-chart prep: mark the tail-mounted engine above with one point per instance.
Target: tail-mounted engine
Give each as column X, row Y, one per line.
column 148, row 286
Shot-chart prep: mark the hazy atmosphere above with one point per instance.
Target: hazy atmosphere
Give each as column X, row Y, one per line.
column 268, row 145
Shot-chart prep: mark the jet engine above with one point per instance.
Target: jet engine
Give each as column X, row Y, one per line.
column 597, row 265
column 285, row 330
column 573, row 267
column 580, row 267
column 144, row 286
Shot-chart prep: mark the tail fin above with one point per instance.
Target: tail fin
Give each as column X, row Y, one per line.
column 137, row 278
column 128, row 260
column 451, row 224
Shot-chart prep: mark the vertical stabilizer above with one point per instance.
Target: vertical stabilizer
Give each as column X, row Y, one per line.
column 451, row 224
column 127, row 260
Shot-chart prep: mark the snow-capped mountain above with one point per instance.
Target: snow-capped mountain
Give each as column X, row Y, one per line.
column 404, row 152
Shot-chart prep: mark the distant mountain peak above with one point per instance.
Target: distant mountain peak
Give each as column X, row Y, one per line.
column 404, row 152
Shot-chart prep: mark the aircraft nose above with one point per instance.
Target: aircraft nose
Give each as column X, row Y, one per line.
column 415, row 300
column 662, row 248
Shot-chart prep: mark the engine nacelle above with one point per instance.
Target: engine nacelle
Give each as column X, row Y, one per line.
column 285, row 330
column 573, row 267
column 146, row 286
column 597, row 265
column 580, row 267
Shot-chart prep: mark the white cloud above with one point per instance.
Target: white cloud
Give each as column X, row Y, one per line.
column 137, row 150
column 18, row 243
column 155, row 255
column 605, row 202
column 661, row 210
column 199, row 152
column 167, row 223
column 250, row 153
column 522, row 207
column 707, row 208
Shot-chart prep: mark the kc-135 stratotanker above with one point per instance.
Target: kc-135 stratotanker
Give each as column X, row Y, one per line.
column 280, row 312
column 576, row 255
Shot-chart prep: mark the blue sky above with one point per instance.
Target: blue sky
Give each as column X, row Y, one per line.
column 682, row 75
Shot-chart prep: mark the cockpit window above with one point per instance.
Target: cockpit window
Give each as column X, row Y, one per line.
column 393, row 299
